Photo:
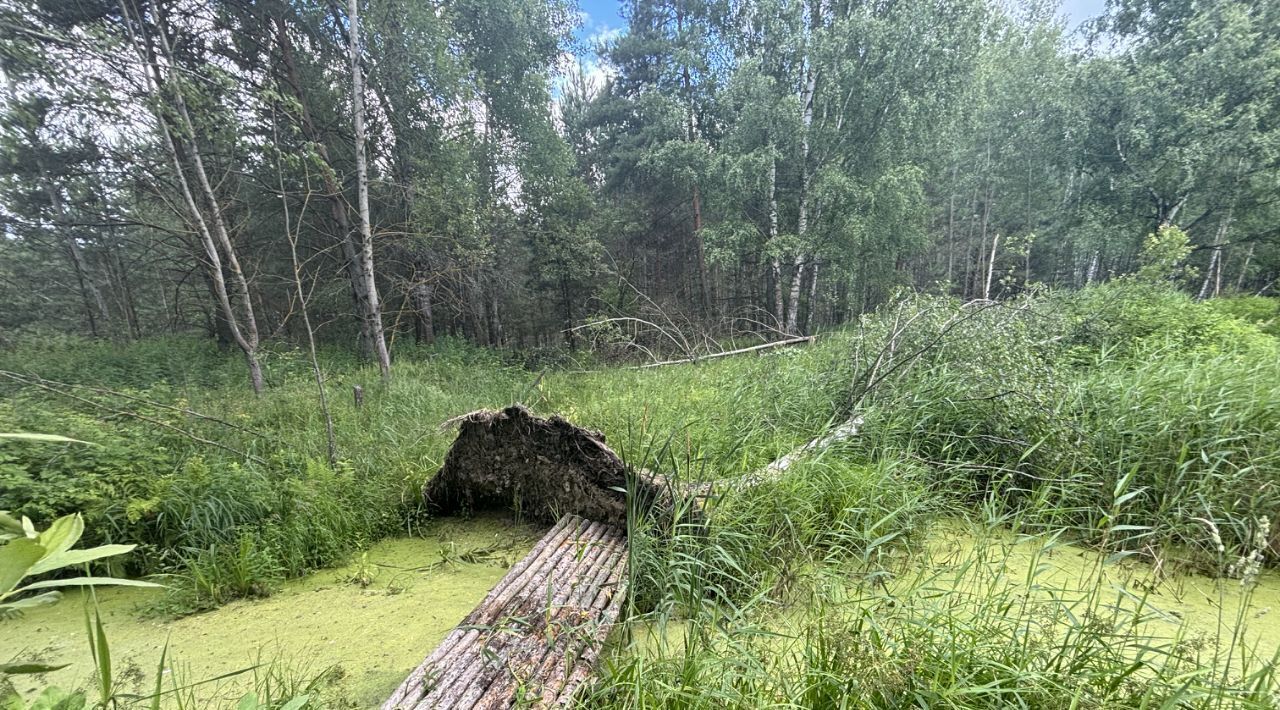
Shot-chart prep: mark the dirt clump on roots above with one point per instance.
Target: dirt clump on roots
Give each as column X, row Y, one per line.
column 542, row 468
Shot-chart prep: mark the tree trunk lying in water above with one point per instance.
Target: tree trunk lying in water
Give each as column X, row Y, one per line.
column 542, row 468
column 536, row 637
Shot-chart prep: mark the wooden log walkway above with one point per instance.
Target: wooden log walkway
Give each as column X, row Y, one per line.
column 537, row 635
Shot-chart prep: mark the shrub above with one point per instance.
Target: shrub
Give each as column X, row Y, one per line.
column 1132, row 319
column 1262, row 311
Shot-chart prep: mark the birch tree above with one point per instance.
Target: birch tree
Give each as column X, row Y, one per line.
column 374, row 305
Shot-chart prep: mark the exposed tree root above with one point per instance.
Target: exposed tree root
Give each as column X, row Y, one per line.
column 542, row 468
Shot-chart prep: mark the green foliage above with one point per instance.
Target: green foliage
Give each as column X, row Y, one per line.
column 711, row 420
column 1131, row 320
column 27, row 552
column 1042, row 406
column 1262, row 311
column 982, row 629
column 1126, row 414
column 831, row 511
column 230, row 522
column 1127, row 429
column 1163, row 255
column 178, row 362
column 1197, row 435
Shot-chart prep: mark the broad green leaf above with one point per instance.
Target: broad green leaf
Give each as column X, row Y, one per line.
column 296, row 703
column 75, row 557
column 62, row 534
column 29, row 668
column 87, row 582
column 248, row 702
column 16, row 559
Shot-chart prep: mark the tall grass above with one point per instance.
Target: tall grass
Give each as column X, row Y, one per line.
column 912, row 613
column 1021, row 405
column 230, row 520
column 1146, row 430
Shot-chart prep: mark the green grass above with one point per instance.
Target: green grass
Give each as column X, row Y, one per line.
column 226, row 524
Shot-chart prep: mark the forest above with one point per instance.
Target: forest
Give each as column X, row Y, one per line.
column 741, row 168
column 947, row 333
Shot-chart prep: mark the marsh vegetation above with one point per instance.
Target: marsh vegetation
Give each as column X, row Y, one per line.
column 1060, row 500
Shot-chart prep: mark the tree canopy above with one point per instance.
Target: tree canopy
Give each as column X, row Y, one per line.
column 741, row 167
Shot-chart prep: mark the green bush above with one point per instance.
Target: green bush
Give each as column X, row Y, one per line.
column 1132, row 319
column 1262, row 311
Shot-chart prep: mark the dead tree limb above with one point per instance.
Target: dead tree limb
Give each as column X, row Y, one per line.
column 739, row 351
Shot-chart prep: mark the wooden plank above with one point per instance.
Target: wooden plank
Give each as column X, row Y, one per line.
column 537, row 635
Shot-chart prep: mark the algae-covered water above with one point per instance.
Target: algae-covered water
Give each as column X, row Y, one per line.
column 368, row 638
column 967, row 570
column 1195, row 607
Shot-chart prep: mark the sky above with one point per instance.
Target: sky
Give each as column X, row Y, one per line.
column 603, row 18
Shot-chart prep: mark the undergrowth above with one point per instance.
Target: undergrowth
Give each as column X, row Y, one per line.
column 230, row 520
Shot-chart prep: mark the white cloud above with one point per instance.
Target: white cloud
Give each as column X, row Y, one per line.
column 602, row 35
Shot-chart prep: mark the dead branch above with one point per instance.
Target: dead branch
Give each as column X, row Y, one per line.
column 739, row 351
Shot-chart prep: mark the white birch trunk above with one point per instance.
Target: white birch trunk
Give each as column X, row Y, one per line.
column 802, row 221
column 211, row 239
column 991, row 266
column 374, row 304
column 775, row 261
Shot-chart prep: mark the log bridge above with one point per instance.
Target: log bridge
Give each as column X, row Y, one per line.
column 536, row 637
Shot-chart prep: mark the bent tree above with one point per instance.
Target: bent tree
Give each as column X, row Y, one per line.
column 148, row 34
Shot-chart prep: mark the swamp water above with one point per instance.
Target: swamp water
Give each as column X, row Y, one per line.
column 1213, row 618
column 367, row 638
column 1038, row 583
column 370, row 637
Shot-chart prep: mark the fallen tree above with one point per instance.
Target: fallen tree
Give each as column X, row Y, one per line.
column 739, row 351
column 538, row 634
column 702, row 493
column 543, row 468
